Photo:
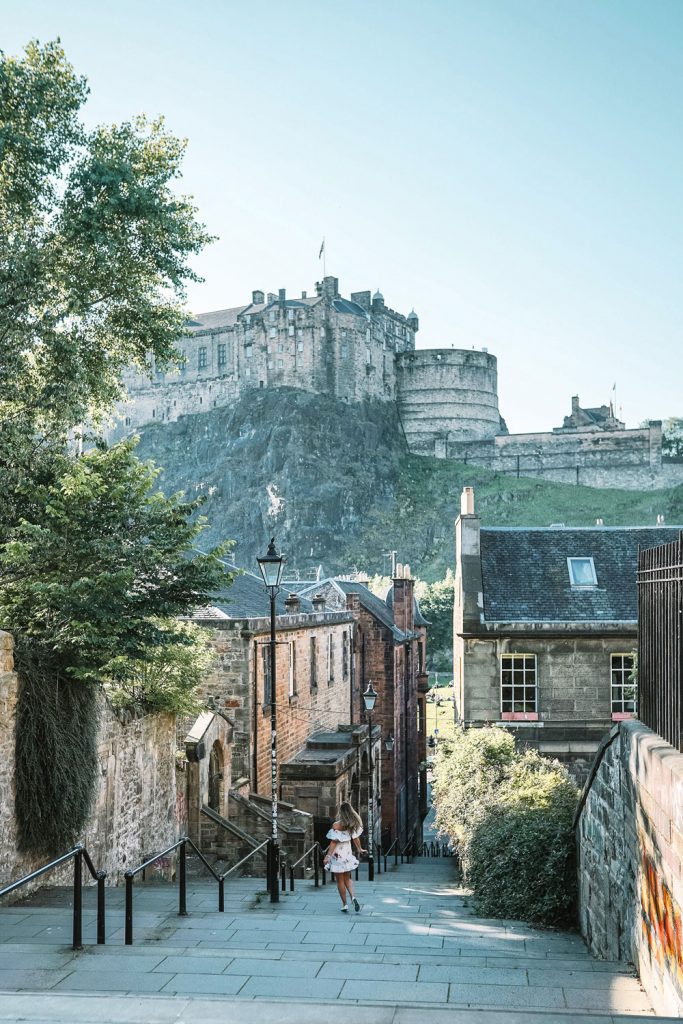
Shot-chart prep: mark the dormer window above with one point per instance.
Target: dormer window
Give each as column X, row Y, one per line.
column 582, row 572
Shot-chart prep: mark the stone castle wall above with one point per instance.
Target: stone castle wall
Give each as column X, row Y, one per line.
column 630, row 852
column 357, row 349
column 627, row 459
column 446, row 393
column 138, row 808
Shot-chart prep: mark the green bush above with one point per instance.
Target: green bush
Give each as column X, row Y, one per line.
column 509, row 815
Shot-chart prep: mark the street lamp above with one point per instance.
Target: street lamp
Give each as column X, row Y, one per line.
column 389, row 743
column 271, row 565
column 369, row 699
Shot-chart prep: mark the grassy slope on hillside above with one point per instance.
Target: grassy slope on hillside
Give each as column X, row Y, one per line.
column 427, row 500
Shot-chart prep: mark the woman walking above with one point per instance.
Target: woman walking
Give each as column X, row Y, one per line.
column 340, row 858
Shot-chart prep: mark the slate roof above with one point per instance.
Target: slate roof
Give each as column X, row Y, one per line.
column 247, row 598
column 375, row 605
column 526, row 578
column 418, row 617
column 218, row 318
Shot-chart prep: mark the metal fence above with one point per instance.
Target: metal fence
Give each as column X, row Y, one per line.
column 660, row 639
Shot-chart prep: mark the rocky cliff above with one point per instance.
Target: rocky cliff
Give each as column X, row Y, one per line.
column 335, row 483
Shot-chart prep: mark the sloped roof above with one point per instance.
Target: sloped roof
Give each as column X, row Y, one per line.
column 526, row 576
column 218, row 318
column 375, row 605
column 247, row 598
column 418, row 617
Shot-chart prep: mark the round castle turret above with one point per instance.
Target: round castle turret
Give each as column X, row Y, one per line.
column 447, row 395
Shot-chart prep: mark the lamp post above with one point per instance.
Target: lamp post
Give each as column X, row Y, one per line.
column 369, row 698
column 271, row 565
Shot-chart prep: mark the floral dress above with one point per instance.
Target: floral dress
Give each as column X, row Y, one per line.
column 343, row 858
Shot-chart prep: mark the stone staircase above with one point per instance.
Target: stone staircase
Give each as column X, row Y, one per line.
column 415, row 952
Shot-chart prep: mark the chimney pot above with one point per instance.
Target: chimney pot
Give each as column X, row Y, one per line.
column 318, row 602
column 467, row 501
column 293, row 604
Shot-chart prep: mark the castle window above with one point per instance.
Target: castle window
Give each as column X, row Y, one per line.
column 368, row 357
column 154, row 414
column 222, row 355
column 247, row 372
column 300, row 346
column 518, row 690
column 273, row 332
column 270, row 364
column 582, row 572
column 279, row 364
column 272, row 316
column 344, row 351
column 291, row 330
column 281, row 347
column 127, row 421
column 322, row 332
column 248, row 351
column 202, row 359
column 290, row 314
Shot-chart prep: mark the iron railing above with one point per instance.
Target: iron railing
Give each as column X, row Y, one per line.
column 182, row 882
column 317, row 852
column 660, row 640
column 79, row 855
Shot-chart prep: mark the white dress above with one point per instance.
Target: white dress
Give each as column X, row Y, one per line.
column 343, row 858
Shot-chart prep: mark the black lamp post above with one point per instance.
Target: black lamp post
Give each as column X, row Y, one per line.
column 369, row 698
column 271, row 565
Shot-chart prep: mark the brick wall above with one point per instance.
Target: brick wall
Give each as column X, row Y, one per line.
column 138, row 808
column 630, row 850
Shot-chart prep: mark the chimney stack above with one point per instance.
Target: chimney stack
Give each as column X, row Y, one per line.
column 293, row 604
column 318, row 602
column 467, row 501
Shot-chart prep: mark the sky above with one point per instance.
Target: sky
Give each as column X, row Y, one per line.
column 512, row 169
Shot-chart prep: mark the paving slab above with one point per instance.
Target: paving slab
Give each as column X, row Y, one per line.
column 395, row 991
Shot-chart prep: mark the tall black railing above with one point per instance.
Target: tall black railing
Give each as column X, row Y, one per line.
column 80, row 856
column 660, row 640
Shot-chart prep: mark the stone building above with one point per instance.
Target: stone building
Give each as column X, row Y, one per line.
column 320, row 743
column 357, row 348
column 390, row 651
column 545, row 631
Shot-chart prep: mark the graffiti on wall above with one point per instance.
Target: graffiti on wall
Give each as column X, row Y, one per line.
column 661, row 920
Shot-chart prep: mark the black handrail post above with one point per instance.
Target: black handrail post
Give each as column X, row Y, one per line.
column 182, row 894
column 291, row 879
column 283, row 875
column 316, row 859
column 221, row 895
column 101, row 917
column 379, row 860
column 78, row 901
column 129, row 909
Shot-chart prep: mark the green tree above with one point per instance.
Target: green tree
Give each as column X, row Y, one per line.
column 436, row 604
column 96, row 564
column 672, row 438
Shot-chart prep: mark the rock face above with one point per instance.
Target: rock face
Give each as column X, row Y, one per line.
column 307, row 468
column 336, row 485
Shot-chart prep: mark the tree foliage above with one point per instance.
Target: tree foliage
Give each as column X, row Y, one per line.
column 96, row 564
column 672, row 439
column 509, row 814
column 436, row 604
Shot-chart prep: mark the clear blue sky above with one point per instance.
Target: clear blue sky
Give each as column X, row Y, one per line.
column 511, row 168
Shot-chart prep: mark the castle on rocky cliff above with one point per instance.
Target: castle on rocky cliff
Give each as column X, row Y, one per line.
column 358, row 348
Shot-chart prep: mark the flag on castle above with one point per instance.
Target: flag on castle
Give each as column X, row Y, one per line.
column 322, row 250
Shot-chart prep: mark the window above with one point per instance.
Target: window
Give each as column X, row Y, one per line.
column 292, row 668
column 291, row 330
column 273, row 332
column 624, row 687
column 313, row 667
column 247, row 372
column 518, row 690
column 300, row 346
column 222, row 355
column 344, row 350
column 330, row 658
column 281, row 347
column 267, row 676
column 272, row 316
column 345, row 655
column 202, row 360
column 271, row 364
column 248, row 351
column 290, row 314
column 322, row 333
column 368, row 356
column 582, row 572
column 280, row 364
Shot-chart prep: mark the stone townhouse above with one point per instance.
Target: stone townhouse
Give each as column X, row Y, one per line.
column 319, row 749
column 390, row 651
column 545, row 630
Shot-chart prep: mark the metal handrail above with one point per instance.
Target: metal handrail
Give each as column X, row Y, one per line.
column 245, row 859
column 182, row 882
column 394, row 847
column 316, row 850
column 78, row 854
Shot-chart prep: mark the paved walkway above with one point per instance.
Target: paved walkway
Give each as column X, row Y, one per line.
column 415, row 953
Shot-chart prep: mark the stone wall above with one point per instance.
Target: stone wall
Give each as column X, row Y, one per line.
column 627, row 459
column 138, row 808
column 447, row 393
column 630, row 851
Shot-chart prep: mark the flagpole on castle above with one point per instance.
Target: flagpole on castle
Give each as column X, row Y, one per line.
column 323, row 255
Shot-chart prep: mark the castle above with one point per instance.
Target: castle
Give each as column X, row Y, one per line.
column 358, row 348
